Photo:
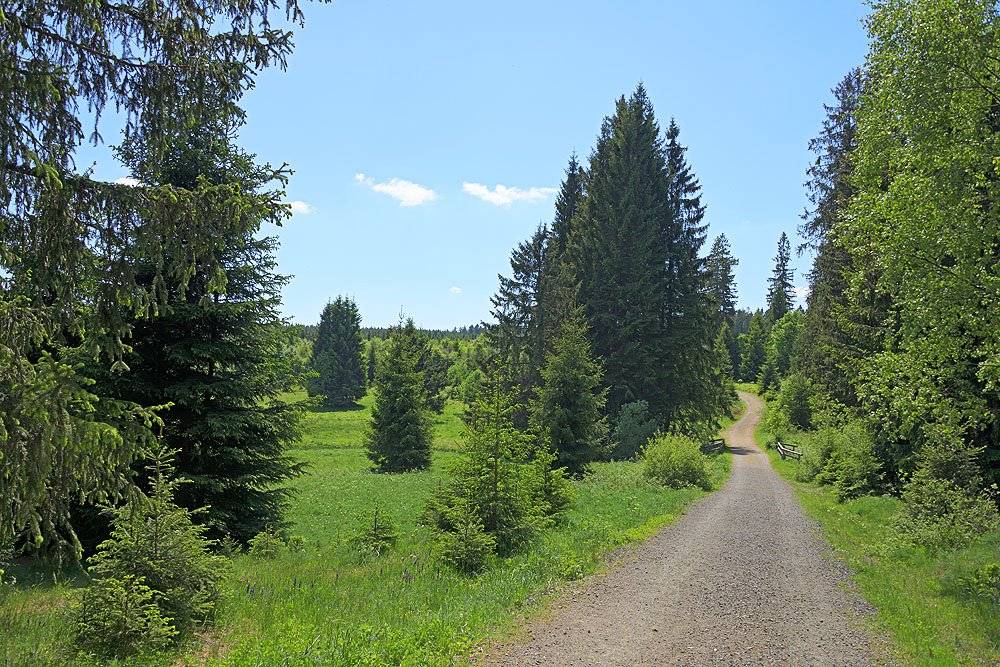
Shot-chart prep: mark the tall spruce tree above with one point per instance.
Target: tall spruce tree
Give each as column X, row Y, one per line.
column 69, row 291
column 336, row 358
column 618, row 253
column 400, row 435
column 691, row 389
column 829, row 346
column 568, row 201
column 568, row 410
column 721, row 281
column 518, row 334
column 219, row 359
column 780, row 291
column 753, row 347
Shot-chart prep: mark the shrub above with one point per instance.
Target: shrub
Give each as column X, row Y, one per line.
column 676, row 461
column 267, row 545
column 117, row 618
column 984, row 583
column 468, row 547
column 553, row 491
column 795, row 399
column 377, row 535
column 776, row 422
column 852, row 466
column 633, row 429
column 816, row 452
column 939, row 514
column 155, row 541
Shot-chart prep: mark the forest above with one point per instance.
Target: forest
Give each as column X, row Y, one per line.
column 188, row 477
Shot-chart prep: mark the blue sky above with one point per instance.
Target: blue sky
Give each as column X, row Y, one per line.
column 440, row 94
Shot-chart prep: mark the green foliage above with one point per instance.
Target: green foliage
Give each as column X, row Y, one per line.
column 68, row 241
column 941, row 515
column 796, row 398
column 154, row 543
column 400, row 437
column 780, row 286
column 377, row 535
column 118, row 618
column 568, row 410
column 721, row 281
column 494, row 481
column 984, row 583
column 676, row 461
column 753, row 348
column 553, row 491
column 336, row 358
column 782, row 351
column 266, row 545
column 634, row 428
column 467, row 547
column 851, row 465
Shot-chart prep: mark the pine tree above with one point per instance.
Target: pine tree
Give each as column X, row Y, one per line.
column 518, row 334
column 336, row 357
column 219, row 359
column 66, row 238
column 494, row 485
column 618, row 251
column 571, row 194
column 753, row 346
column 568, row 411
column 691, row 390
column 371, row 361
column 829, row 345
column 400, row 436
column 721, row 281
column 780, row 292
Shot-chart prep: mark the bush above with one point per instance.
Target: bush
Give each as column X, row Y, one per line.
column 984, row 583
column 940, row 515
column 155, row 541
column 117, row 618
column 468, row 547
column 776, row 422
column 267, row 545
column 553, row 491
column 676, row 461
column 377, row 536
column 633, row 429
column 795, row 398
column 852, row 467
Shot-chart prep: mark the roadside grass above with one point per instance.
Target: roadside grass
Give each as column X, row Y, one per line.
column 326, row 604
column 921, row 598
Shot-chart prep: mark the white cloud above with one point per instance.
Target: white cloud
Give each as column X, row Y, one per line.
column 127, row 180
column 801, row 293
column 501, row 195
column 455, row 290
column 406, row 193
column 301, row 207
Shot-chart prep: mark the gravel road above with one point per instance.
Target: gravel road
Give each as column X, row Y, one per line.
column 743, row 578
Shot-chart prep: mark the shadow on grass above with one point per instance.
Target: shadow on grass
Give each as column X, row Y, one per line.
column 348, row 407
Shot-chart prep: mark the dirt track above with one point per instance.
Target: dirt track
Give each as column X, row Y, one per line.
column 742, row 579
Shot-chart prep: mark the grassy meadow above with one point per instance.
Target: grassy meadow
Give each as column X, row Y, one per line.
column 922, row 603
column 324, row 604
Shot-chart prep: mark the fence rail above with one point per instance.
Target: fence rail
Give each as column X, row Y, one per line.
column 713, row 446
column 787, row 451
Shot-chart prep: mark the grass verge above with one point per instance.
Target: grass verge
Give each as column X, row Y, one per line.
column 922, row 603
column 325, row 604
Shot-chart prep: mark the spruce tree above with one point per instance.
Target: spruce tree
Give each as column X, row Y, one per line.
column 568, row 201
column 371, row 361
column 219, row 359
column 400, row 436
column 336, row 359
column 721, row 281
column 780, row 291
column 568, row 410
column 753, row 345
column 518, row 334
column 618, row 252
column 691, row 390
column 830, row 344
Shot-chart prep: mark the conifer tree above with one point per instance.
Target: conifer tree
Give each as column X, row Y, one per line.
column 494, row 484
column 371, row 361
column 618, row 251
column 568, row 201
column 780, row 292
column 219, row 359
column 518, row 334
column 400, row 437
column 721, row 281
column 336, row 357
column 568, row 410
column 753, row 346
